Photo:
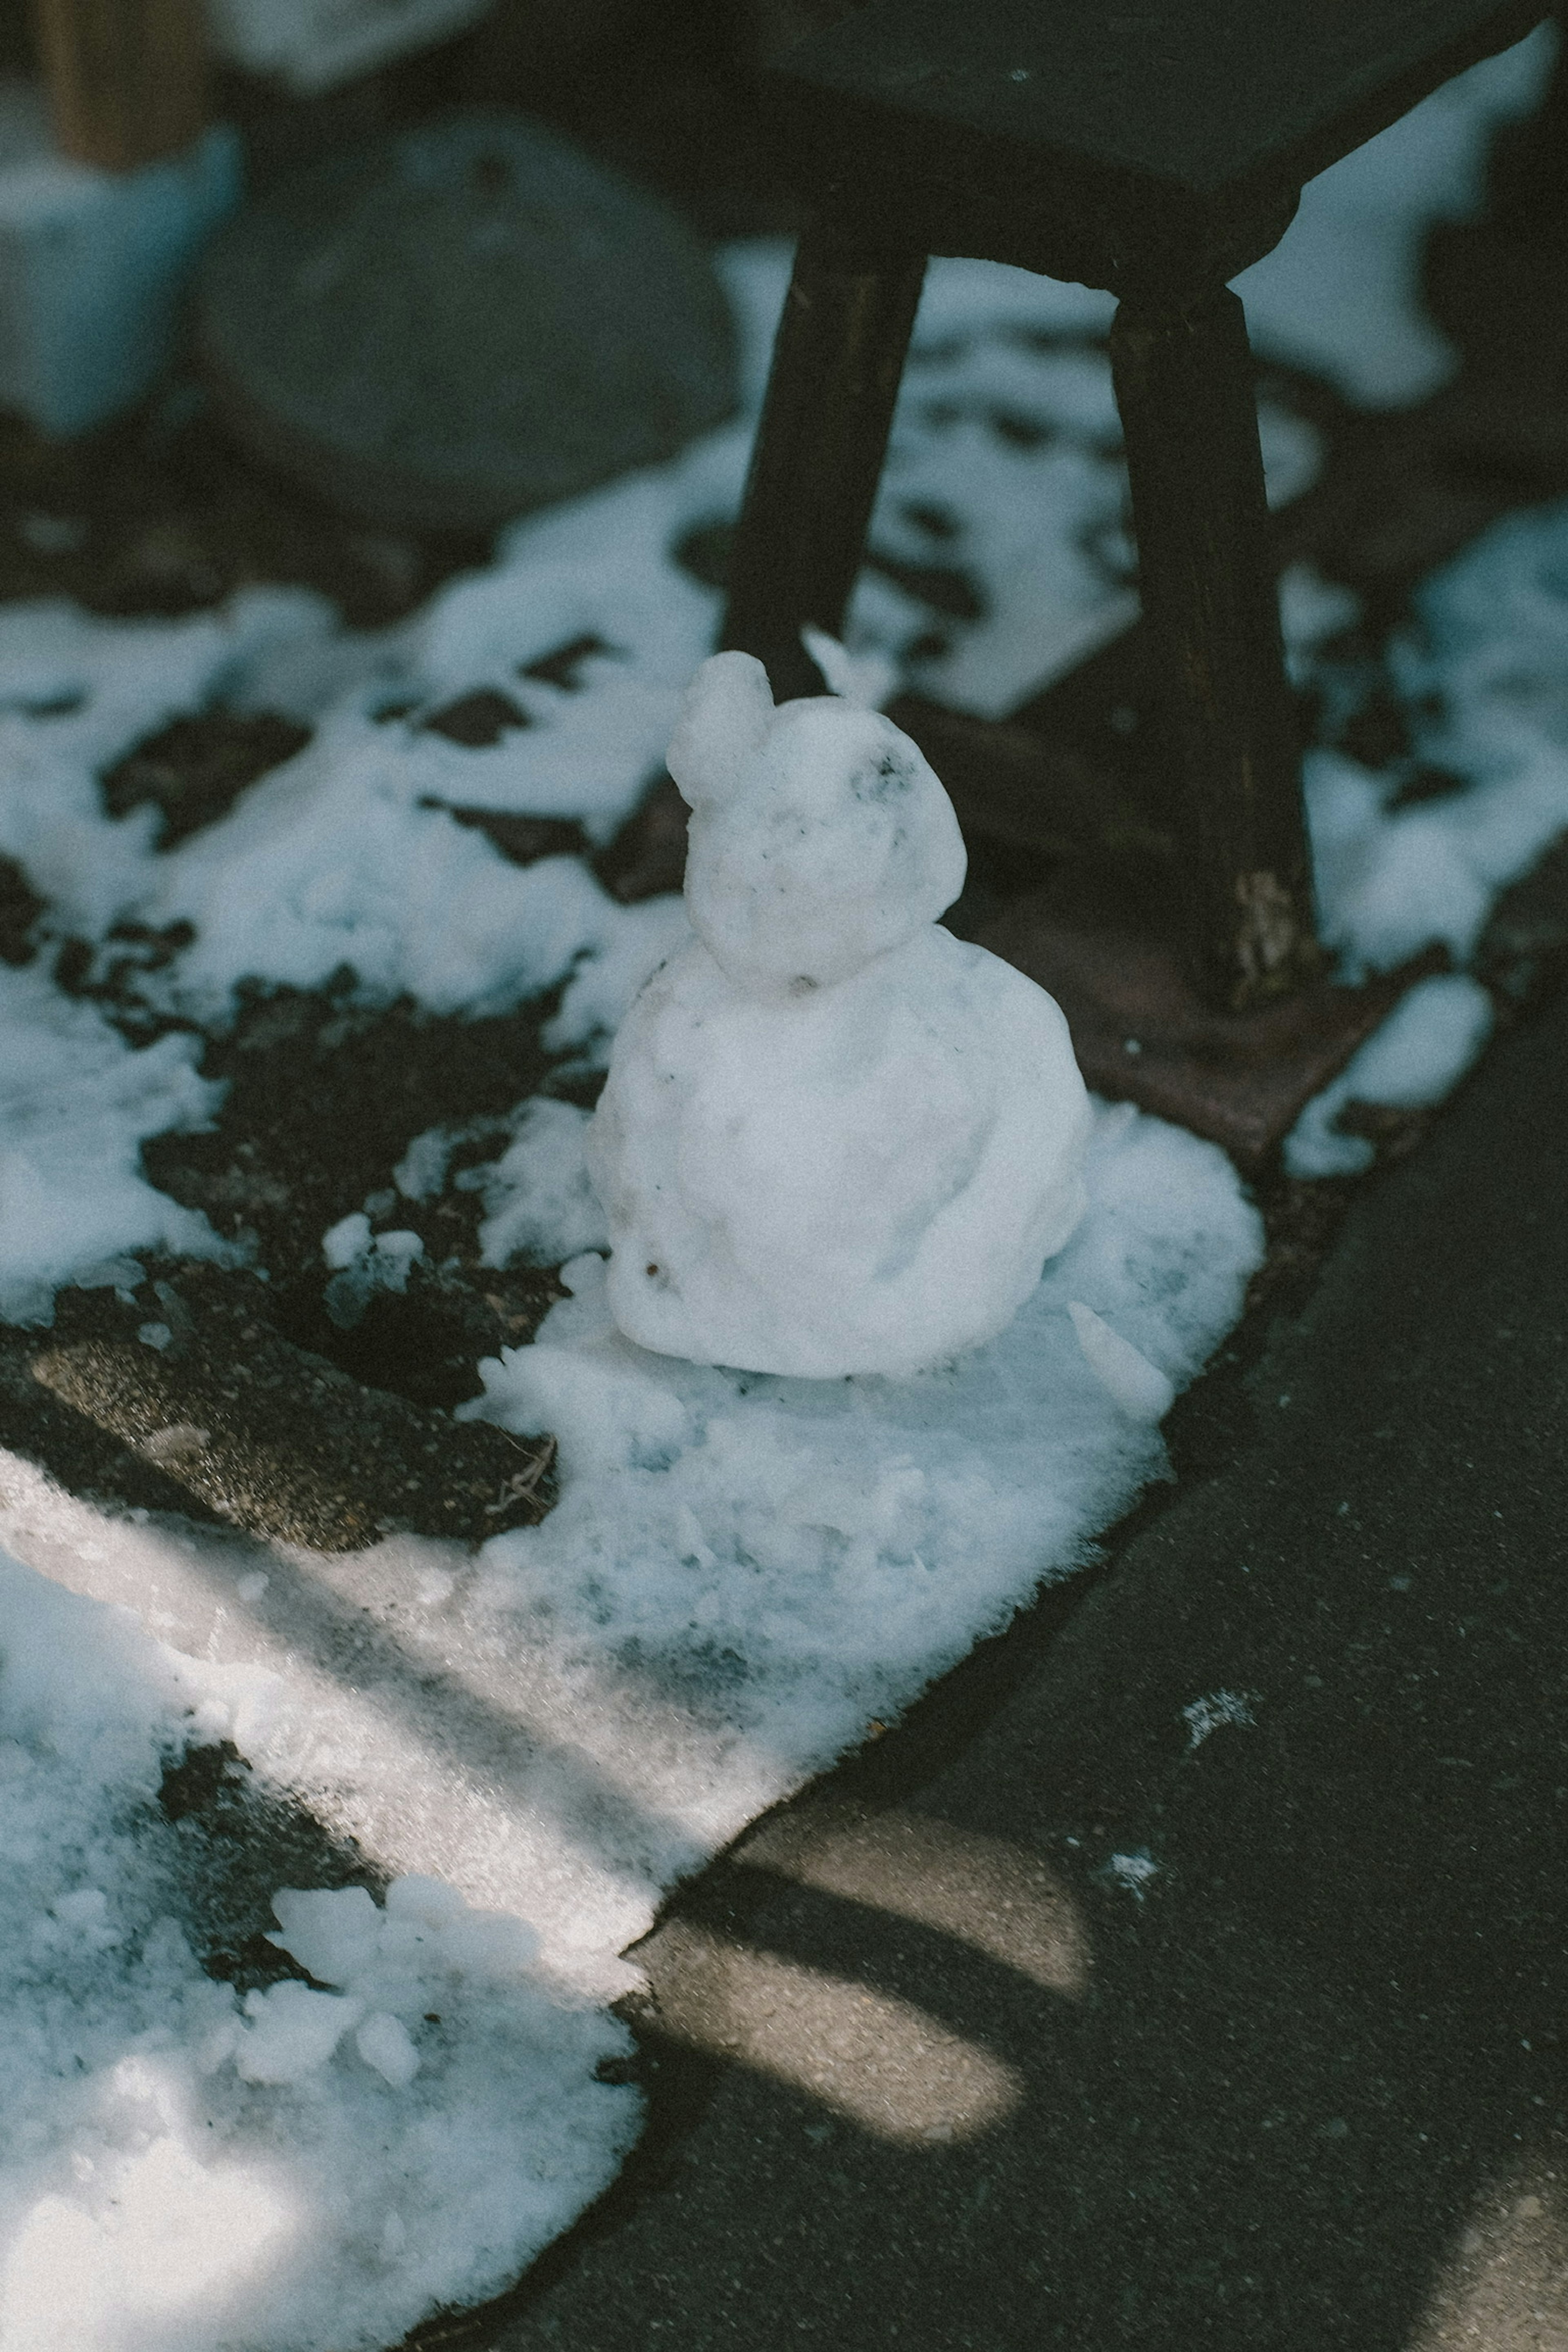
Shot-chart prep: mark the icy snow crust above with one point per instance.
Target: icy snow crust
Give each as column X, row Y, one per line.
column 530, row 1743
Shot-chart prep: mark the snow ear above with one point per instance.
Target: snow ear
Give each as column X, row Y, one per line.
column 864, row 680
column 723, row 722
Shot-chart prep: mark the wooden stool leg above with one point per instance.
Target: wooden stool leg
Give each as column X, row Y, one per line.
column 819, row 451
column 127, row 78
column 1184, row 387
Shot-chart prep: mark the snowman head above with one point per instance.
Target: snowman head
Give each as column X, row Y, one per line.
column 820, row 836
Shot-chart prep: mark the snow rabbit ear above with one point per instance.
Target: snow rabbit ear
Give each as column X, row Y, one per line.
column 723, row 723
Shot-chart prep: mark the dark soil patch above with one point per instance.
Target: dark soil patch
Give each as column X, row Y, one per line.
column 647, row 856
column 237, row 1395
column 20, row 907
column 236, row 1842
column 323, row 1101
column 158, row 514
column 195, row 769
column 522, row 840
column 476, row 720
column 324, row 1097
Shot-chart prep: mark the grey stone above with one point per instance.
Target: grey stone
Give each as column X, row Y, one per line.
column 449, row 326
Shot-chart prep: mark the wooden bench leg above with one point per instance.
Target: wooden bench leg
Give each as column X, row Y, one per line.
column 819, row 451
column 1185, row 388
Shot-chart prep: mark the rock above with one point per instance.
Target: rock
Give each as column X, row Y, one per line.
column 453, row 324
column 267, row 1435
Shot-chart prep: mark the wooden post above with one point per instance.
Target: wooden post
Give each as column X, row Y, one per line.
column 819, row 451
column 127, row 78
column 1184, row 387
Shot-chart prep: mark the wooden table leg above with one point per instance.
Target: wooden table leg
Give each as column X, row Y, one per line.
column 819, row 451
column 127, row 78
column 1185, row 388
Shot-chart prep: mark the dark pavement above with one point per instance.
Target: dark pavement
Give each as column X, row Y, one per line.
column 955, row 2080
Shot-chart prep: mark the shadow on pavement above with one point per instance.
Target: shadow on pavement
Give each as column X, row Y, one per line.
column 1269, row 2013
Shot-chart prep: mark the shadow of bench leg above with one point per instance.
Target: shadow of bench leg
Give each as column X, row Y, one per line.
column 819, row 451
column 1184, row 389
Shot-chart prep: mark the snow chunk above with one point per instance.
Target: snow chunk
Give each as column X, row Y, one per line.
column 332, row 1934
column 540, row 1202
column 383, row 2042
column 1141, row 1390
column 291, row 2031
column 865, row 679
column 364, row 1263
column 347, row 1240
column 1132, row 1872
column 1414, row 1058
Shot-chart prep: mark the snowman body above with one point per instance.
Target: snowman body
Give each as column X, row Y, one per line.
column 834, row 1138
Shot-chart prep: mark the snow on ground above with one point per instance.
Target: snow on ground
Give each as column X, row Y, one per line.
column 741, row 1574
column 1364, row 327
column 531, row 1742
column 184, row 2167
column 75, row 1107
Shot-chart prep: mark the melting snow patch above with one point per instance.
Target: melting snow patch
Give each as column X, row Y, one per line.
column 1213, row 1712
column 743, row 1572
column 1132, row 1872
column 362, row 1264
column 1416, row 1059
column 76, row 1103
column 539, row 1203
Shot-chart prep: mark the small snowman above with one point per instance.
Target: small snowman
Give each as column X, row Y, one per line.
column 834, row 1138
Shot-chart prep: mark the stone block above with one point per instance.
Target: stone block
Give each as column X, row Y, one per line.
column 93, row 264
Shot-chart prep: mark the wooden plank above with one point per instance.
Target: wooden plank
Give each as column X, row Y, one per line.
column 1088, row 141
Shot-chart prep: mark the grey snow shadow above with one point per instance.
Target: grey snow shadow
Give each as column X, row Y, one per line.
column 494, row 1747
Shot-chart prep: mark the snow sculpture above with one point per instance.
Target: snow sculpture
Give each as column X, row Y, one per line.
column 834, row 1138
